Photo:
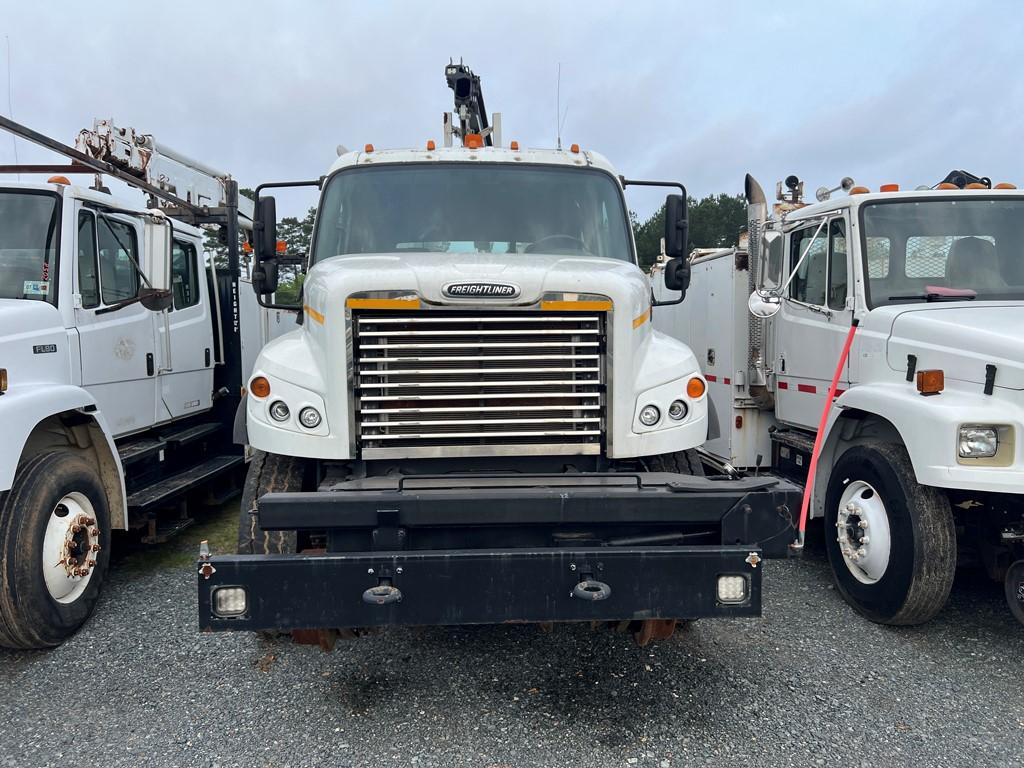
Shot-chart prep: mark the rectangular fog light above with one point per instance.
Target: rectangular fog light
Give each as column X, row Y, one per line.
column 229, row 601
column 732, row 589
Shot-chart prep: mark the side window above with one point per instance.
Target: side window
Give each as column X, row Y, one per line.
column 810, row 280
column 184, row 275
column 88, row 279
column 837, row 279
column 118, row 255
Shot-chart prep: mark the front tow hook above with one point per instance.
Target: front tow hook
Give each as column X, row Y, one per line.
column 384, row 593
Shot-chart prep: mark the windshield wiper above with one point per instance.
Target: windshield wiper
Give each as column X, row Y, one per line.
column 934, row 297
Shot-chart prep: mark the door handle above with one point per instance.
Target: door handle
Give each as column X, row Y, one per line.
column 150, row 368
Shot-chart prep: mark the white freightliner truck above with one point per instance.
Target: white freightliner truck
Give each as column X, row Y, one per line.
column 921, row 464
column 476, row 421
column 122, row 357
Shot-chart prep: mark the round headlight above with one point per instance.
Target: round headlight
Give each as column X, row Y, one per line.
column 677, row 410
column 279, row 411
column 309, row 417
column 649, row 415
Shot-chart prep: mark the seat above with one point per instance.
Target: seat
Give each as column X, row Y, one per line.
column 974, row 263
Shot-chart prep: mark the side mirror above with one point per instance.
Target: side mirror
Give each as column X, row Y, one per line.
column 676, row 227
column 677, row 275
column 264, row 233
column 155, row 295
column 770, row 276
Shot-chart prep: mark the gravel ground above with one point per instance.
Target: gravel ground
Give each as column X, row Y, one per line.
column 809, row 684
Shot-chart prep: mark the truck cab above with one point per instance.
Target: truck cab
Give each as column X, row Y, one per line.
column 476, row 421
column 918, row 460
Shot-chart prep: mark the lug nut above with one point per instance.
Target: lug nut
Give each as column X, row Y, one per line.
column 862, row 552
column 863, row 524
column 95, row 533
column 91, row 563
column 96, row 547
column 865, row 540
column 76, row 528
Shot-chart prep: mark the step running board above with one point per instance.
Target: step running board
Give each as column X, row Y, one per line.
column 170, row 488
column 191, row 434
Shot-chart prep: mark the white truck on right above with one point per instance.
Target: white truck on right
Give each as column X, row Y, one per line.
column 921, row 460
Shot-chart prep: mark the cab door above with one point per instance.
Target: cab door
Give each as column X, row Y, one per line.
column 813, row 322
column 117, row 343
column 185, row 336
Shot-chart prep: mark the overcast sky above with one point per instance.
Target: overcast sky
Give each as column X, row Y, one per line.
column 698, row 92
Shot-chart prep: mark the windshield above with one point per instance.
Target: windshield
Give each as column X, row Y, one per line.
column 944, row 250
column 462, row 208
column 28, row 244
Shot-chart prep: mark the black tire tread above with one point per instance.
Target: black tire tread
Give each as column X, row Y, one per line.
column 268, row 472
column 681, row 462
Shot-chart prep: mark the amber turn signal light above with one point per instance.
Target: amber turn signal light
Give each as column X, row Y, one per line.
column 695, row 387
column 259, row 387
column 931, row 382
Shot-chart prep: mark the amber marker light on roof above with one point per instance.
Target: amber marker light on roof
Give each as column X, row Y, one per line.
column 575, row 149
column 1004, row 185
column 473, row 141
column 859, row 190
column 368, row 148
column 889, row 188
column 431, row 146
column 59, row 180
column 514, row 146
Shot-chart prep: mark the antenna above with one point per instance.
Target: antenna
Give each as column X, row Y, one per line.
column 10, row 107
column 558, row 108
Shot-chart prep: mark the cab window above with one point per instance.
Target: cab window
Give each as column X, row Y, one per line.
column 88, row 277
column 118, row 255
column 809, row 283
column 184, row 275
column 837, row 274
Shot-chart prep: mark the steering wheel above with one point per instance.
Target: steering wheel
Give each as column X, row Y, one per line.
column 557, row 244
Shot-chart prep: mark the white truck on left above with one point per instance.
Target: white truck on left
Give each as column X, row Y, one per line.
column 121, row 365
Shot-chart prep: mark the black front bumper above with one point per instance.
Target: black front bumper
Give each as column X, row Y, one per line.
column 471, row 550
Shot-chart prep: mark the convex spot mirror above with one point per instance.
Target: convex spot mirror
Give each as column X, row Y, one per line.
column 763, row 306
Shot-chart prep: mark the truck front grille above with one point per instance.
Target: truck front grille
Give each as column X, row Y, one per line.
column 453, row 383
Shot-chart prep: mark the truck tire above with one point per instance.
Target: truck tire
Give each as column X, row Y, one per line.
column 891, row 542
column 50, row 573
column 680, row 462
column 268, row 472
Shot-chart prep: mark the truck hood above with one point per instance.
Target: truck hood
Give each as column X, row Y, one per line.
column 33, row 341
column 427, row 273
column 961, row 340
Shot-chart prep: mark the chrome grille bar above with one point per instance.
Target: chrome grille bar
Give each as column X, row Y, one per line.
column 447, row 382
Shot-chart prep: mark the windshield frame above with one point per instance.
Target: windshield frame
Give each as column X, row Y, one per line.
column 58, row 217
column 862, row 241
column 324, row 187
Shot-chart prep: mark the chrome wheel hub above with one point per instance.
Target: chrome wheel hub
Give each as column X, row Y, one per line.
column 862, row 530
column 71, row 545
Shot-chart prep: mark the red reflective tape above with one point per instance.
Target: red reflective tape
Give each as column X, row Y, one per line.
column 783, row 385
column 727, row 381
column 809, row 388
column 711, row 377
column 839, row 392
